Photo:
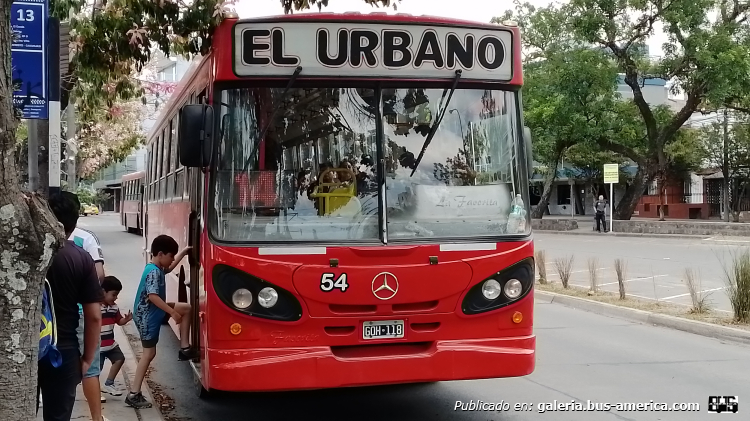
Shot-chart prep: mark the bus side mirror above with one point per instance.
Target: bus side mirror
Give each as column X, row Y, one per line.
column 529, row 151
column 196, row 135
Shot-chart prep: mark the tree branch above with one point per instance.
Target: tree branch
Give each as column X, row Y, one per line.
column 745, row 110
column 646, row 24
column 631, row 79
column 623, row 150
column 693, row 100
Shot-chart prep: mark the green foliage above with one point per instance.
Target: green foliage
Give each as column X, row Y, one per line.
column 85, row 195
column 711, row 139
column 707, row 54
column 115, row 39
column 685, row 153
column 568, row 99
column 119, row 36
column 704, row 52
column 100, row 198
column 737, row 163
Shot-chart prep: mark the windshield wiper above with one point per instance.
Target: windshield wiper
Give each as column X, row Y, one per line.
column 276, row 109
column 441, row 113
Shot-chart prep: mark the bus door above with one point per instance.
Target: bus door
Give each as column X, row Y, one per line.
column 140, row 216
column 196, row 179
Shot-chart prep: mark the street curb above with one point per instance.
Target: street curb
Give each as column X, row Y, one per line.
column 132, row 356
column 647, row 317
column 625, row 234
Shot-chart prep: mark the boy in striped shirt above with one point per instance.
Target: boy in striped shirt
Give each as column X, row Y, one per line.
column 110, row 317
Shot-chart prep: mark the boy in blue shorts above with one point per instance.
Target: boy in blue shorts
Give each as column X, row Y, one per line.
column 151, row 309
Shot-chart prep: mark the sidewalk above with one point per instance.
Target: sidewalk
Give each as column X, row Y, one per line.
column 115, row 409
column 671, row 228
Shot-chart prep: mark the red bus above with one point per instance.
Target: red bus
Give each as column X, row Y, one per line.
column 131, row 201
column 355, row 190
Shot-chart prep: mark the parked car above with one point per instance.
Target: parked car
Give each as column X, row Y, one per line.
column 87, row 209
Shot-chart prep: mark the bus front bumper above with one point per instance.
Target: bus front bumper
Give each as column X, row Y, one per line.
column 320, row 367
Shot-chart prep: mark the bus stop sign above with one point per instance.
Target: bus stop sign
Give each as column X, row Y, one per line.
column 611, row 173
column 28, row 19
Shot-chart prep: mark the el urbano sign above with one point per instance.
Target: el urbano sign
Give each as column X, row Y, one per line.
column 343, row 49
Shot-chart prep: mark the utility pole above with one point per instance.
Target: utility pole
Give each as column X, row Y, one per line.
column 725, row 168
column 70, row 148
column 54, row 106
column 33, row 149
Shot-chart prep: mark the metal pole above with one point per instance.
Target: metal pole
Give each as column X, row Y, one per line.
column 725, row 168
column 53, row 66
column 611, row 206
column 572, row 200
column 33, row 155
column 71, row 149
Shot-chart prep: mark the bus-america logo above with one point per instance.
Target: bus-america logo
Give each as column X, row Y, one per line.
column 369, row 50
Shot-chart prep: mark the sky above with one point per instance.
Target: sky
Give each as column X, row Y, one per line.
column 475, row 10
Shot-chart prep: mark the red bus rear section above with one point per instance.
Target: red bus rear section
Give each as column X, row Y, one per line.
column 356, row 200
column 131, row 206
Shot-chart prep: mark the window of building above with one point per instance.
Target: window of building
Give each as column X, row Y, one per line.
column 563, row 194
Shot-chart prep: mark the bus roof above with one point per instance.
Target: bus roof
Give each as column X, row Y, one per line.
column 134, row 175
column 374, row 17
column 224, row 62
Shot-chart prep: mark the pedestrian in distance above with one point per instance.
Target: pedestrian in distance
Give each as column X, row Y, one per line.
column 73, row 282
column 600, row 207
column 111, row 316
column 151, row 309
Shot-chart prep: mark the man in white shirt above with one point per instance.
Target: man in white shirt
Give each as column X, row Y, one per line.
column 87, row 240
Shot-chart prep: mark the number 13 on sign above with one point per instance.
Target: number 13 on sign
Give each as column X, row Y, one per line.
column 25, row 15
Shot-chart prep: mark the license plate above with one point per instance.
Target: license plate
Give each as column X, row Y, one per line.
column 383, row 329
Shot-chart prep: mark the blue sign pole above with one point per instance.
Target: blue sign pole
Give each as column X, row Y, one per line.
column 29, row 57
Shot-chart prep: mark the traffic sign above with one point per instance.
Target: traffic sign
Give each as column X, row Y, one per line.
column 28, row 19
column 611, row 173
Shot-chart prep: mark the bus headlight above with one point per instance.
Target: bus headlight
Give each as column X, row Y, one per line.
column 242, row 298
column 500, row 289
column 513, row 289
column 267, row 297
column 491, row 289
column 253, row 296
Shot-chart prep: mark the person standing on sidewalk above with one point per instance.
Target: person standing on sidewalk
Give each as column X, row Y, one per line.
column 90, row 243
column 600, row 207
column 73, row 283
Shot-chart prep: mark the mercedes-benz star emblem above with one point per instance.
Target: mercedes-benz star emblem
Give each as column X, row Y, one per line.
column 384, row 286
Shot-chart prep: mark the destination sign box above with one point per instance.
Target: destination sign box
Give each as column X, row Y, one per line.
column 342, row 49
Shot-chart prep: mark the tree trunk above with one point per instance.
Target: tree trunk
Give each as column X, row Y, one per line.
column 661, row 188
column 549, row 180
column 29, row 236
column 592, row 192
column 628, row 203
column 725, row 198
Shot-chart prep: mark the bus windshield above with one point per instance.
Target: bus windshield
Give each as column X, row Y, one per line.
column 315, row 175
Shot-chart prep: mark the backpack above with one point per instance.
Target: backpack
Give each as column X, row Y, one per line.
column 48, row 329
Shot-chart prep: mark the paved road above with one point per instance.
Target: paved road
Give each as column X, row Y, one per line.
column 656, row 266
column 581, row 356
